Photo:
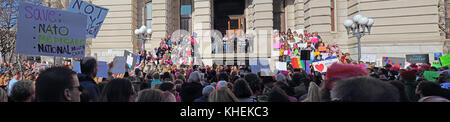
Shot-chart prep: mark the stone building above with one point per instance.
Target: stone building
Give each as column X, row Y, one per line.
column 401, row 26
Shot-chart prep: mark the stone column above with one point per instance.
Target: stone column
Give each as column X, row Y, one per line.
column 202, row 25
column 299, row 14
column 263, row 27
column 159, row 23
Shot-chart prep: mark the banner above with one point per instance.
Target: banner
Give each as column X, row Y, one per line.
column 417, row 58
column 50, row 32
column 445, row 60
column 95, row 15
column 281, row 66
column 102, row 69
column 322, row 66
column 436, row 64
column 399, row 62
column 119, row 65
column 260, row 65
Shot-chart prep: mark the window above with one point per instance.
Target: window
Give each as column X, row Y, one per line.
column 186, row 15
column 279, row 18
column 148, row 15
column 333, row 24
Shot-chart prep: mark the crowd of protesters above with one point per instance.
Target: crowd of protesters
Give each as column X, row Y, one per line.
column 158, row 79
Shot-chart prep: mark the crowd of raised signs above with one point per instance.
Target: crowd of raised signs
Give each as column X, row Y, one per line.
column 157, row 80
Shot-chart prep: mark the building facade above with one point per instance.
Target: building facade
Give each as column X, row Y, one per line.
column 401, row 26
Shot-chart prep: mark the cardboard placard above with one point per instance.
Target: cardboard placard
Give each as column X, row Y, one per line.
column 50, row 32
column 119, row 65
column 102, row 69
column 399, row 62
column 95, row 15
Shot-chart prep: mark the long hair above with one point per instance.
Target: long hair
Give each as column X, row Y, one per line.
column 117, row 90
column 223, row 94
column 313, row 93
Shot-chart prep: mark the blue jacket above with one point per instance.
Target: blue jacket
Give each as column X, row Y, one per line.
column 89, row 85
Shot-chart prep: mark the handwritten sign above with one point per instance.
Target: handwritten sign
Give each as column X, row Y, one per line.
column 50, row 32
column 77, row 67
column 322, row 66
column 445, row 60
column 417, row 58
column 431, row 75
column 281, row 65
column 102, row 69
column 95, row 15
column 399, row 62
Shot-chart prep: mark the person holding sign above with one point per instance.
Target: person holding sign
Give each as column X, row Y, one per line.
column 88, row 73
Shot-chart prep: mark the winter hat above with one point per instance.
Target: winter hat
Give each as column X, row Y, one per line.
column 342, row 71
column 194, row 77
column 221, row 84
column 408, row 75
column 208, row 89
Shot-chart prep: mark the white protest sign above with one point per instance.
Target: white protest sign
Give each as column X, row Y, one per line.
column 281, row 65
column 322, row 66
column 50, row 32
column 95, row 15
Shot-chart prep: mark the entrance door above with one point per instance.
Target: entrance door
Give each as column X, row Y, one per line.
column 236, row 23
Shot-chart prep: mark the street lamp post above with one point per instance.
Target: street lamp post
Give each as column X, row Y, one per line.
column 141, row 35
column 358, row 27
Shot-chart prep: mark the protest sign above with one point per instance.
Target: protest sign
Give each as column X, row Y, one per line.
column 254, row 65
column 431, row 75
column 437, row 55
column 417, row 58
column 95, row 15
column 119, row 65
column 322, row 66
column 281, row 65
column 131, row 59
column 399, row 62
column 102, row 69
column 77, row 66
column 445, row 60
column 436, row 64
column 302, row 45
column 50, row 32
column 275, row 53
column 277, row 45
column 295, row 63
column 368, row 58
column 322, row 49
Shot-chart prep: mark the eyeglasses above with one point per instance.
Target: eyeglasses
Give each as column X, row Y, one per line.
column 80, row 88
